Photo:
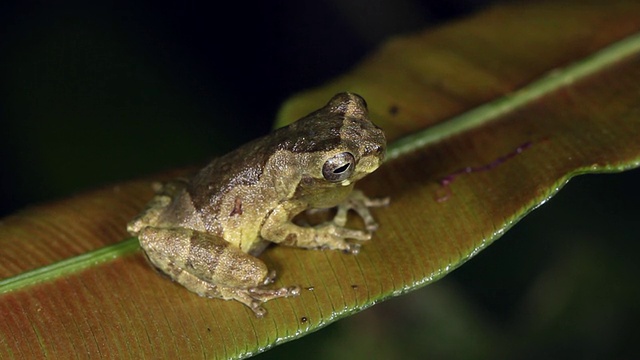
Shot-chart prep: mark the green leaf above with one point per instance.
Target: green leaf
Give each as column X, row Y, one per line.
column 527, row 109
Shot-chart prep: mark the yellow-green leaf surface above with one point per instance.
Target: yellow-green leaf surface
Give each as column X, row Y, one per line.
column 530, row 94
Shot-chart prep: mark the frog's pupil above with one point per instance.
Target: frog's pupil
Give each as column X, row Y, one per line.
column 341, row 169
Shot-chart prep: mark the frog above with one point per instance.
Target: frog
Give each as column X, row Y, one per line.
column 206, row 231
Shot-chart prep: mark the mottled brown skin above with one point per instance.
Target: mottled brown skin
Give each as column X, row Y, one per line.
column 204, row 232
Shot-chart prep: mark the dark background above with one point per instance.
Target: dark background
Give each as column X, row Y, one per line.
column 94, row 91
column 99, row 92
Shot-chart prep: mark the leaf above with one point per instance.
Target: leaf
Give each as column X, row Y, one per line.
column 526, row 109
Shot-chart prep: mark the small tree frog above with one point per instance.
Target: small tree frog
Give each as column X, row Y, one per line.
column 204, row 232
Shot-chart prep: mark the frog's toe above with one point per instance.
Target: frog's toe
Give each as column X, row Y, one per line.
column 371, row 226
column 353, row 249
column 261, row 296
column 265, row 295
column 377, row 202
column 294, row 290
column 258, row 310
column 270, row 278
column 346, row 233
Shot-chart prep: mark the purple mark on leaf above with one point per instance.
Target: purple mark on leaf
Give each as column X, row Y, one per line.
column 449, row 179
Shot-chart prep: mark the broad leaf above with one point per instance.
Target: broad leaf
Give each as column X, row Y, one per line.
column 523, row 110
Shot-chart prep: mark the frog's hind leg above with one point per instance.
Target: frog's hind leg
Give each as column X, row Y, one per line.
column 251, row 297
column 210, row 266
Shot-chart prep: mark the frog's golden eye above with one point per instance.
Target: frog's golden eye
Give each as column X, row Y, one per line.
column 338, row 167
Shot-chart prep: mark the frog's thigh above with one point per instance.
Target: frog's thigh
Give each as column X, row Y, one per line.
column 202, row 262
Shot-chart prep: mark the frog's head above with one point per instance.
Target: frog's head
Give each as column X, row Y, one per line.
column 337, row 143
column 362, row 144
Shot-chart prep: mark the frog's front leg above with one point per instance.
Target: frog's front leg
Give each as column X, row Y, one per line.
column 360, row 203
column 330, row 235
column 211, row 267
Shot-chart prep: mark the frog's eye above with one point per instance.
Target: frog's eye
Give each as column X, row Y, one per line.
column 338, row 167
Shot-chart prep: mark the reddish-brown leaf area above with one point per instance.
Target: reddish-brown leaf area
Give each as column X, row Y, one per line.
column 65, row 228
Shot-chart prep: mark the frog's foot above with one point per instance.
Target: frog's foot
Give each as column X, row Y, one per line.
column 330, row 236
column 254, row 297
column 360, row 203
column 333, row 234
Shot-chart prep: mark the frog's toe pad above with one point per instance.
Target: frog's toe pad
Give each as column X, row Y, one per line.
column 353, row 249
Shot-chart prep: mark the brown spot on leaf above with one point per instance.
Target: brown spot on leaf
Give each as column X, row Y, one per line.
column 393, row 110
